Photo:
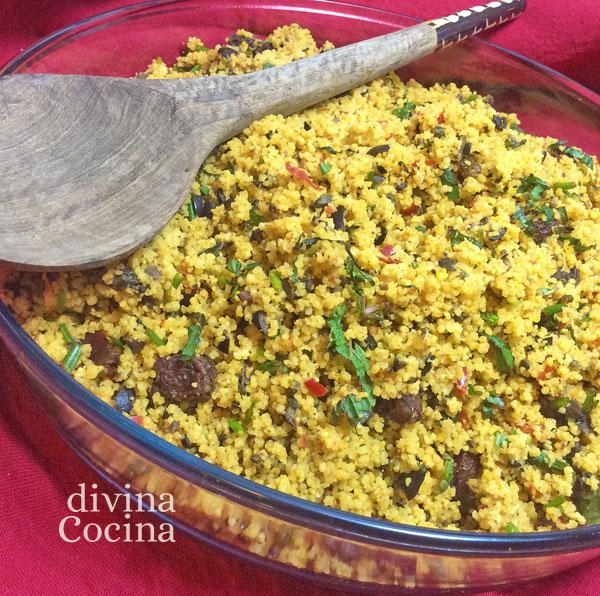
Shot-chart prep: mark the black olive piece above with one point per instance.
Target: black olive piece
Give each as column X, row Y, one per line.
column 186, row 442
column 223, row 345
column 370, row 342
column 576, row 412
column 377, row 179
column 439, row 132
column 541, row 229
column 263, row 46
column 378, row 149
column 236, row 40
column 322, row 201
column 400, row 186
column 448, row 263
column 222, row 438
column 243, row 380
column 565, row 276
column 307, row 126
column 227, row 52
column 464, row 149
column 257, row 236
column 338, row 218
column 223, row 200
column 203, row 207
column 309, row 282
column 499, row 122
column 381, row 236
column 288, row 288
column 397, row 364
column 128, row 279
column 381, row 169
column 524, row 364
column 410, row 482
column 429, row 358
column 289, row 413
column 498, row 235
column 124, row 400
column 256, row 458
column 174, row 426
column 259, row 319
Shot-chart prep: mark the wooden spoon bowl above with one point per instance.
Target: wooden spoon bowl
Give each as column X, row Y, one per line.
column 93, row 167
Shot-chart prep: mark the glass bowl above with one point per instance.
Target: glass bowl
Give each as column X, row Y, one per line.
column 231, row 512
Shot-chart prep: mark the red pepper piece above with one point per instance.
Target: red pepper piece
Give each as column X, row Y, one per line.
column 460, row 386
column 430, row 162
column 441, row 118
column 301, row 175
column 547, row 372
column 315, row 387
column 137, row 419
column 387, row 250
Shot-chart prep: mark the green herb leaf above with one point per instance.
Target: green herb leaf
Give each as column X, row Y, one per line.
column 294, row 277
column 457, row 237
column 354, row 272
column 504, row 358
column 556, row 502
column 117, row 341
column 214, row 250
column 361, row 364
column 72, row 358
column 177, row 280
column 204, row 190
column 254, row 218
column 564, row 185
column 470, row 98
column 236, row 426
column 66, row 333
column 519, row 215
column 325, row 168
column 576, row 243
column 155, row 338
column 590, row 401
column 536, row 187
column 275, row 280
column 560, row 402
column 189, row 350
column 449, row 179
column 588, row 503
column 249, row 414
column 500, row 440
column 235, row 267
column 329, row 150
column 491, row 318
column 336, row 332
column 579, row 155
column 510, row 528
column 357, row 411
column 405, row 111
column 191, row 212
column 448, row 478
column 421, row 228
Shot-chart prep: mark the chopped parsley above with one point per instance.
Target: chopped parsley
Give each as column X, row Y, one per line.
column 155, row 338
column 405, row 111
column 357, row 411
column 457, row 237
column 500, row 440
column 490, row 318
column 534, row 186
column 254, row 218
column 276, row 282
column 449, row 179
column 504, row 358
column 448, row 477
column 72, row 358
column 590, row 401
column 564, row 185
column 556, row 502
column 189, row 350
column 561, row 148
column 236, row 426
column 490, row 403
column 325, row 168
column 177, row 280
column 510, row 528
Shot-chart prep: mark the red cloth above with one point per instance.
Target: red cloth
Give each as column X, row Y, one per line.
column 38, row 471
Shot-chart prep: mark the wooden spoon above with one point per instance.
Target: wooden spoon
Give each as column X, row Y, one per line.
column 93, row 167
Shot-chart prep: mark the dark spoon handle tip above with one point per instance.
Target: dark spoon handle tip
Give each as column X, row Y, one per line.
column 471, row 21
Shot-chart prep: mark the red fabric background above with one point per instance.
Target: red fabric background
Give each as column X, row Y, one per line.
column 38, row 471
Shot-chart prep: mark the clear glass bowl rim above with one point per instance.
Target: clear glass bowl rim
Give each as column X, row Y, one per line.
column 236, row 488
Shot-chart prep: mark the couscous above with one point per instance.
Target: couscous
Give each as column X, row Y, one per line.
column 386, row 304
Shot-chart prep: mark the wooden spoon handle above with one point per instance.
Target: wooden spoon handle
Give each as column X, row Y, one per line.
column 295, row 86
